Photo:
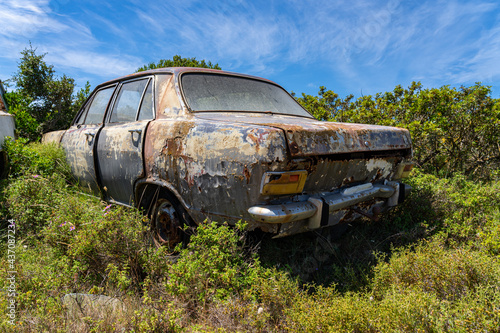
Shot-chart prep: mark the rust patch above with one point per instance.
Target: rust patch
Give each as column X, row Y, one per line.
column 287, row 212
column 378, row 175
column 173, row 147
column 255, row 140
column 294, row 147
column 347, row 181
column 247, row 174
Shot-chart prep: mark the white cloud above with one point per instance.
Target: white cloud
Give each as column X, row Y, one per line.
column 240, row 34
column 69, row 44
column 363, row 43
column 26, row 18
column 109, row 66
column 484, row 64
column 432, row 42
column 442, row 44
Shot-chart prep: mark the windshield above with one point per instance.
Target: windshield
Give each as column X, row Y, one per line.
column 215, row 92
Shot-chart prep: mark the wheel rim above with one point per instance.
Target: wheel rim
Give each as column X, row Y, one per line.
column 167, row 224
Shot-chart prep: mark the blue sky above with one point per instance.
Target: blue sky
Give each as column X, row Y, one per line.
column 358, row 47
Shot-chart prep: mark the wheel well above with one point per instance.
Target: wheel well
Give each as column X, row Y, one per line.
column 148, row 193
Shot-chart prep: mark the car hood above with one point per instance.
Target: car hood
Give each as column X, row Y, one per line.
column 310, row 137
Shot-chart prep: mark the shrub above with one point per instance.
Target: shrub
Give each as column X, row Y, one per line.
column 213, row 266
column 36, row 158
column 32, row 200
column 447, row 273
column 42, row 277
column 407, row 310
column 109, row 247
column 461, row 209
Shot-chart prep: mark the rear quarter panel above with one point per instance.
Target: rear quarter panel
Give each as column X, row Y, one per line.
column 216, row 168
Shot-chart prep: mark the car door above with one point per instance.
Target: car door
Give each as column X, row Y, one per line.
column 80, row 139
column 121, row 140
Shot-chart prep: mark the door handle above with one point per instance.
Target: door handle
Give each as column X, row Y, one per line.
column 90, row 134
column 138, row 131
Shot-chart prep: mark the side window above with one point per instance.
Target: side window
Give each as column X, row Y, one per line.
column 83, row 113
column 81, row 117
column 95, row 113
column 146, row 111
column 127, row 102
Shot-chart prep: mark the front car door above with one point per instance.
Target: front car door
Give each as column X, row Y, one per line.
column 121, row 140
column 79, row 140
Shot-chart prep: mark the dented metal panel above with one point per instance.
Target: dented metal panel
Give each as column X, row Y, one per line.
column 310, row 137
column 215, row 167
column 78, row 142
column 119, row 159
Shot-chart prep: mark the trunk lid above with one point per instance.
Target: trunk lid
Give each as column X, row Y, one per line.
column 309, row 137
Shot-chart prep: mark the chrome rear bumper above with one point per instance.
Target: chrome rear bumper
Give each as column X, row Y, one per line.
column 316, row 209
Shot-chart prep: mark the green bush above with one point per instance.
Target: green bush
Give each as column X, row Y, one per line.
column 38, row 187
column 109, row 247
column 42, row 277
column 463, row 212
column 447, row 273
column 32, row 200
column 326, row 310
column 437, row 268
column 213, row 266
column 26, row 125
column 36, row 159
column 400, row 310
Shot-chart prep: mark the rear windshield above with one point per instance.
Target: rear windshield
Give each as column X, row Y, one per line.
column 214, row 92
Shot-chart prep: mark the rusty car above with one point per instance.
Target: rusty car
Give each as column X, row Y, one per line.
column 190, row 144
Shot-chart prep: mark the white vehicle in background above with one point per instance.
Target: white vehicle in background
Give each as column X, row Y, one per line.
column 6, row 128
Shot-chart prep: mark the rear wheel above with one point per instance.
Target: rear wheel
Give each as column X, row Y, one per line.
column 168, row 223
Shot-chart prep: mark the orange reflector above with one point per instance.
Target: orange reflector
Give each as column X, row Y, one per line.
column 287, row 182
column 408, row 167
column 403, row 170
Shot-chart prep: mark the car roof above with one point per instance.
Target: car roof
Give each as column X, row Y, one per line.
column 180, row 70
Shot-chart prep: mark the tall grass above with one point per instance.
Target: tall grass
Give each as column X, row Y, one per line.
column 432, row 265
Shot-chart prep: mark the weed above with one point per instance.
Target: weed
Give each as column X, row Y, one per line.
column 430, row 265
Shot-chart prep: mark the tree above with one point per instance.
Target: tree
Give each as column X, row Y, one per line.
column 42, row 102
column 326, row 106
column 178, row 61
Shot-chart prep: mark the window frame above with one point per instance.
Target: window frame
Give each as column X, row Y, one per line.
column 111, row 107
column 151, row 83
column 84, row 110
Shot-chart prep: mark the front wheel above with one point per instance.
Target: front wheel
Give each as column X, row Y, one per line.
column 168, row 223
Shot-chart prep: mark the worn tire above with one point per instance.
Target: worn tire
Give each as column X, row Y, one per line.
column 168, row 223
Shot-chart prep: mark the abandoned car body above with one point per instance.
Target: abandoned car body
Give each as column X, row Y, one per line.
column 188, row 144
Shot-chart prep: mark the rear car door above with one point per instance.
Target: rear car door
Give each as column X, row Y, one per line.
column 80, row 139
column 121, row 140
